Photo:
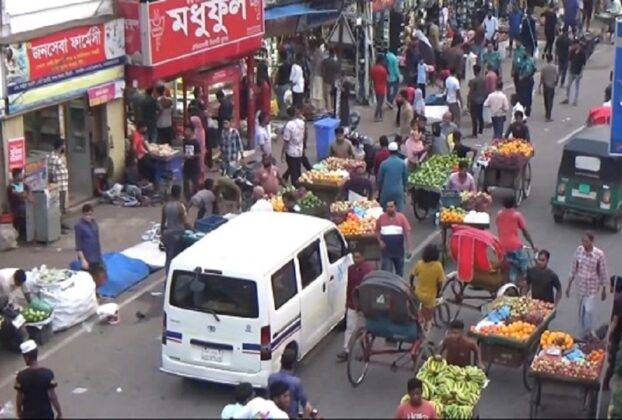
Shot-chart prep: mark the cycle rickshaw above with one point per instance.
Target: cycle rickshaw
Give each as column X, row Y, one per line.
column 390, row 311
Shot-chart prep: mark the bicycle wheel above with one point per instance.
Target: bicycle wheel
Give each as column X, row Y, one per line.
column 358, row 357
column 526, row 180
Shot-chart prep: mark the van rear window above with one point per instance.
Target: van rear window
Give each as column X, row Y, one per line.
column 213, row 293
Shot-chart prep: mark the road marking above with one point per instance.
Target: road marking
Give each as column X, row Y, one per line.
column 569, row 135
column 8, row 380
column 423, row 244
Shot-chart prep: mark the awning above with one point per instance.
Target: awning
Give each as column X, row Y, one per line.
column 294, row 10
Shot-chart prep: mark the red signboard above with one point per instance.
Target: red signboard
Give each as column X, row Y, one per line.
column 378, row 5
column 184, row 28
column 16, row 153
column 129, row 10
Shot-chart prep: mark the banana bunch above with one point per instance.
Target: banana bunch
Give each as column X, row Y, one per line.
column 475, row 375
column 453, row 411
column 428, row 389
column 438, row 407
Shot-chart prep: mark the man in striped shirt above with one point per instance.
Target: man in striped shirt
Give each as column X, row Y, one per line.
column 590, row 269
column 59, row 175
column 393, row 230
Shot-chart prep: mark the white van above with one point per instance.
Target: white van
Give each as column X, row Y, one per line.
column 258, row 284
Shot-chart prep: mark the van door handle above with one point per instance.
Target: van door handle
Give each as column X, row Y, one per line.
column 332, row 277
column 323, row 287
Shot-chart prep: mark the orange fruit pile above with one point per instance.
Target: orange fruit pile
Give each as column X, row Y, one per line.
column 516, row 146
column 452, row 215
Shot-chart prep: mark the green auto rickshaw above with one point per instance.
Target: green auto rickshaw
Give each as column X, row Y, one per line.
column 589, row 180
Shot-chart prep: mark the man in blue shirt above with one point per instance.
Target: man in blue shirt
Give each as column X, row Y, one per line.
column 392, row 179
column 87, row 240
column 393, row 67
column 297, row 394
column 514, row 20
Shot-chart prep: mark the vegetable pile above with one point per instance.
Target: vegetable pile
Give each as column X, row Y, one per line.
column 478, row 201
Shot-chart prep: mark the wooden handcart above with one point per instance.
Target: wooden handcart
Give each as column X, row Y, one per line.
column 511, row 353
column 516, row 178
column 328, row 193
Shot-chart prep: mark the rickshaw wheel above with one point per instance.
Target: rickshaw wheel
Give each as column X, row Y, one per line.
column 358, row 357
column 426, row 351
column 526, row 180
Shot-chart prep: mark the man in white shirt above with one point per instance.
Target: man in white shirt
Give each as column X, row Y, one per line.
column 453, row 98
column 274, row 408
column 244, row 392
column 293, row 143
column 10, row 281
column 263, row 142
column 297, row 79
column 498, row 104
column 491, row 26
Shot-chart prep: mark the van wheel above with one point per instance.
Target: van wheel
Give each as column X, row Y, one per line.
column 614, row 223
column 558, row 216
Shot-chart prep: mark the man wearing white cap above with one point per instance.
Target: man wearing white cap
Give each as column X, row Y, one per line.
column 35, row 387
column 392, row 178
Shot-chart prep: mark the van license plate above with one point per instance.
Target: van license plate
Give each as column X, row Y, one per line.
column 212, row 355
column 584, row 188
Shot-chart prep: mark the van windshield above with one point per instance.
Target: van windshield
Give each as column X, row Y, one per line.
column 213, row 293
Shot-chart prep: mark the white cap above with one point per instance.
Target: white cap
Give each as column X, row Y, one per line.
column 27, row 346
column 393, row 146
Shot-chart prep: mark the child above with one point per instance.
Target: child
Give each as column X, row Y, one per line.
column 430, row 278
column 516, row 106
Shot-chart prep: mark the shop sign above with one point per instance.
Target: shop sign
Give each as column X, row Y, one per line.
column 378, row 5
column 49, row 94
column 615, row 140
column 129, row 9
column 36, row 174
column 62, row 55
column 183, row 28
column 16, row 153
column 105, row 93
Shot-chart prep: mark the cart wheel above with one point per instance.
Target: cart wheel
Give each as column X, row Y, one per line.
column 425, row 352
column 558, row 216
column 527, row 379
column 358, row 357
column 518, row 190
column 420, row 210
column 534, row 402
column 591, row 403
column 526, row 180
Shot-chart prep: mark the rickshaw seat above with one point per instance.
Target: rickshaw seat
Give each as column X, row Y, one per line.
column 384, row 296
column 470, row 247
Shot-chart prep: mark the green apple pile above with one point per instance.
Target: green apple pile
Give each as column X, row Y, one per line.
column 34, row 315
column 311, row 201
column 434, row 172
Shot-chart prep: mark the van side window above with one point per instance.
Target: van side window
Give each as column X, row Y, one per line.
column 335, row 246
column 310, row 263
column 284, row 284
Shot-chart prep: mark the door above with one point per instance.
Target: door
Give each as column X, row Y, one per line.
column 99, row 136
column 213, row 321
column 338, row 260
column 78, row 152
column 285, row 321
column 313, row 296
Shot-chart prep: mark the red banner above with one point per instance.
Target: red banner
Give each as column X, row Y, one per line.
column 378, row 5
column 183, row 28
column 16, row 153
column 129, row 10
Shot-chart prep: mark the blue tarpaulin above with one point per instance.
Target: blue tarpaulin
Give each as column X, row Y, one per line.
column 294, row 10
column 123, row 272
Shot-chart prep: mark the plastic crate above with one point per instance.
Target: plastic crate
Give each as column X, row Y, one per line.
column 209, row 223
column 450, row 198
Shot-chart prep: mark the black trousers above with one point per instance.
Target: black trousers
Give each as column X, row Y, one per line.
column 422, row 87
column 477, row 118
column 549, row 94
column 548, row 47
column 294, row 168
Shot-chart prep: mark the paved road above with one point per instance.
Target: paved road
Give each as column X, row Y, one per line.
column 118, row 365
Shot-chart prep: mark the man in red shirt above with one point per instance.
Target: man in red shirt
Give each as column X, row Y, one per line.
column 415, row 407
column 509, row 222
column 356, row 274
column 381, row 154
column 380, row 77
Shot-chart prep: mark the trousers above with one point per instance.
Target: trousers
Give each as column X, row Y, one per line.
column 353, row 321
column 393, row 264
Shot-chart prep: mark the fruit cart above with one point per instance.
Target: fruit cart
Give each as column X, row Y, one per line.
column 510, row 333
column 568, row 367
column 506, row 164
column 426, row 184
column 356, row 220
column 328, row 192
